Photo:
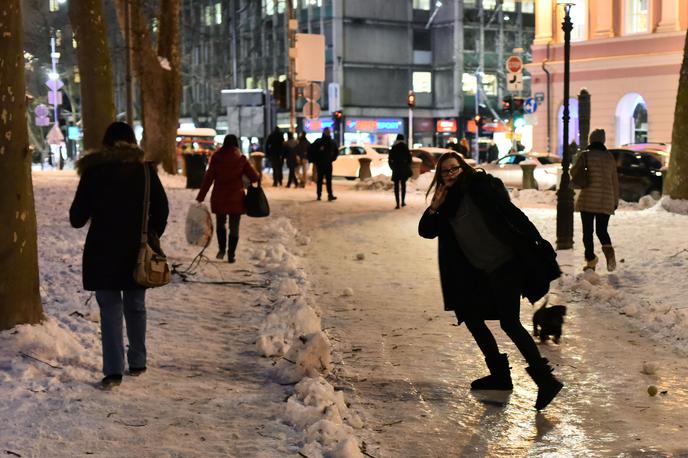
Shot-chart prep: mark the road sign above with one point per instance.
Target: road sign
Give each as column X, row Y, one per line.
column 312, row 92
column 55, row 136
column 333, row 97
column 311, row 110
column 42, row 121
column 41, row 111
column 514, row 64
column 514, row 82
column 530, row 105
column 54, row 85
column 55, row 98
column 539, row 97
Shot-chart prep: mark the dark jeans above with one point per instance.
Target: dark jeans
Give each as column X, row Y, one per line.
column 277, row 163
column 234, row 221
column 113, row 304
column 397, row 185
column 325, row 171
column 292, row 177
column 505, row 286
column 600, row 222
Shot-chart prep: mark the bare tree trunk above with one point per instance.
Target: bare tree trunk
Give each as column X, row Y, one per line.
column 95, row 68
column 676, row 182
column 20, row 300
column 159, row 74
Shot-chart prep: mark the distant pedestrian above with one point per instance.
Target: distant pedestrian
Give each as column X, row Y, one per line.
column 110, row 194
column 324, row 152
column 490, row 255
column 292, row 159
column 274, row 150
column 400, row 162
column 302, row 155
column 598, row 200
column 492, row 152
column 228, row 199
column 465, row 147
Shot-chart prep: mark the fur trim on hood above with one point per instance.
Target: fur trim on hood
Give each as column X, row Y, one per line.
column 121, row 152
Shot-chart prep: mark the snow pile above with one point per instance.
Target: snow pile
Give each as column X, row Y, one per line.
column 292, row 332
column 675, row 205
column 422, row 183
column 377, row 183
column 533, row 197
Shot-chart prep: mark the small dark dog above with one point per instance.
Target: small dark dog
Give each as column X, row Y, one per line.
column 548, row 321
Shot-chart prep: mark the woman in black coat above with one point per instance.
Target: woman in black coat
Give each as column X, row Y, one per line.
column 486, row 247
column 400, row 163
column 110, row 194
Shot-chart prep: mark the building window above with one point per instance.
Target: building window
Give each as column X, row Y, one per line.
column 528, row 6
column 422, row 82
column 579, row 16
column 208, row 15
column 268, row 7
column 468, row 83
column 489, row 4
column 637, row 16
column 54, row 6
column 421, row 5
column 490, row 84
column 509, row 5
column 218, row 13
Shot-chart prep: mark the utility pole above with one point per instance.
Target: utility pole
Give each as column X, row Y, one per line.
column 458, row 58
column 292, row 27
column 127, row 58
column 234, row 18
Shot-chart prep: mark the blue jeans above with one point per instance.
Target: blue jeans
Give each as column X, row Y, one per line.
column 113, row 304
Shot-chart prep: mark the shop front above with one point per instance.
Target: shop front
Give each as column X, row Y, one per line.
column 423, row 131
column 376, row 131
column 314, row 127
column 446, row 131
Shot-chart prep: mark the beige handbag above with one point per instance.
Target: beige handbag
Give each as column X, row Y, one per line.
column 151, row 269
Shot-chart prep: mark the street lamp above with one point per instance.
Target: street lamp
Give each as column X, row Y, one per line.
column 565, row 192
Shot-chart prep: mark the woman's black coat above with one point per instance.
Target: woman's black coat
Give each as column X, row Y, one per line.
column 110, row 194
column 400, row 161
column 464, row 288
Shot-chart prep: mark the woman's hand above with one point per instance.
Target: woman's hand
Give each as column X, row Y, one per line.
column 439, row 197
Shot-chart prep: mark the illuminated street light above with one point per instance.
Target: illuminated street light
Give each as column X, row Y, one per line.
column 54, row 76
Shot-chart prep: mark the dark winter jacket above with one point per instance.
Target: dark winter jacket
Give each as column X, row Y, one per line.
column 400, row 161
column 602, row 193
column 323, row 152
column 290, row 153
column 274, row 149
column 227, row 167
column 464, row 288
column 110, row 195
column 302, row 149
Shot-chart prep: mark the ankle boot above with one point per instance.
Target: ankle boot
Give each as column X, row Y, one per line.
column 591, row 264
column 233, row 242
column 608, row 251
column 499, row 378
column 548, row 386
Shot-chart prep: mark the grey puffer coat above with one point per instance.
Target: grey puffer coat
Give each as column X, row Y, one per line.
column 602, row 193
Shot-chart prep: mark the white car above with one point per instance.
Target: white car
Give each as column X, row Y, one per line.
column 347, row 164
column 547, row 170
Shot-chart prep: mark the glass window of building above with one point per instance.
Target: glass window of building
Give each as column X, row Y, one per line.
column 490, row 84
column 528, row 6
column 489, row 4
column 509, row 5
column 218, row 13
column 579, row 18
column 422, row 82
column 54, row 6
column 637, row 16
column 421, row 5
column 469, row 83
column 268, row 7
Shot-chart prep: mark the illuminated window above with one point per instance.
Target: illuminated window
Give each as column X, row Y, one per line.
column 422, row 82
column 208, row 13
column 509, row 5
column 269, row 7
column 637, row 16
column 490, row 84
column 579, row 16
column 218, row 13
column 54, row 6
column 489, row 4
column 468, row 83
column 528, row 6
column 421, row 5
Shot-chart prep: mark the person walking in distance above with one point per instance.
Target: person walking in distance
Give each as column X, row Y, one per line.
column 110, row 195
column 302, row 158
column 488, row 243
column 598, row 200
column 324, row 153
column 228, row 199
column 292, row 159
column 274, row 150
column 400, row 163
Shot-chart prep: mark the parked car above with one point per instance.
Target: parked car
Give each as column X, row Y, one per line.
column 640, row 173
column 347, row 164
column 430, row 155
column 662, row 151
column 507, row 168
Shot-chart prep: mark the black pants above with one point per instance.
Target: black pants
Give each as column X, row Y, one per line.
column 397, row 185
column 292, row 177
column 234, row 221
column 325, row 171
column 505, row 286
column 277, row 176
column 600, row 222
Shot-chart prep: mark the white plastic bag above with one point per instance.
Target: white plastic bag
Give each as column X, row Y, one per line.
column 199, row 225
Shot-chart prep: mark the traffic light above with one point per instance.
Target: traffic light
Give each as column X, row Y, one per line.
column 411, row 99
column 518, row 104
column 478, row 119
column 279, row 93
column 507, row 104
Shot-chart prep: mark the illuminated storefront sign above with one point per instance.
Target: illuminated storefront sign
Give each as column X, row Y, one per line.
column 379, row 125
column 317, row 125
column 446, row 126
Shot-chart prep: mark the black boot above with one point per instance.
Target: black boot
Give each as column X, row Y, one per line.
column 548, row 386
column 499, row 378
column 233, row 242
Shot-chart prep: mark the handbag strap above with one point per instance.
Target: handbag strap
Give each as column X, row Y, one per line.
column 146, row 203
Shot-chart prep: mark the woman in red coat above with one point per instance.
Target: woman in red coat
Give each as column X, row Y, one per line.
column 227, row 167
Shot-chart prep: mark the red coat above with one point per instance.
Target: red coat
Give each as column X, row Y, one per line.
column 227, row 166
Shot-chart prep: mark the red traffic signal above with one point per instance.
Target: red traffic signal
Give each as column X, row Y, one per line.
column 411, row 99
column 337, row 115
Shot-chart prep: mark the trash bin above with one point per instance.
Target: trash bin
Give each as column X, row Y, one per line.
column 194, row 165
column 364, row 168
column 415, row 167
column 528, row 169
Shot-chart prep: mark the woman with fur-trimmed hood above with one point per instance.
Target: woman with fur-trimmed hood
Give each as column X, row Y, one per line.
column 110, row 195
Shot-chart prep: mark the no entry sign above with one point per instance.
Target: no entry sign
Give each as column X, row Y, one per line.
column 514, row 64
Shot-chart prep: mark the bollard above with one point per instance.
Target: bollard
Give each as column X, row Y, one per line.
column 194, row 166
column 415, row 167
column 528, row 169
column 364, row 168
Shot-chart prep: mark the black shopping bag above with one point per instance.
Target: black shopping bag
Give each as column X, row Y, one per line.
column 256, row 202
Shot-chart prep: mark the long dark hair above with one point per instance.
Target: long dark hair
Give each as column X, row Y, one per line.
column 231, row 140
column 466, row 170
column 119, row 132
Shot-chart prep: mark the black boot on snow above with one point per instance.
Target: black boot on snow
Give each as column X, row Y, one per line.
column 499, row 378
column 548, row 385
column 233, row 242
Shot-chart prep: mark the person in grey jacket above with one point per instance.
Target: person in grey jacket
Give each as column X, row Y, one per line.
column 598, row 200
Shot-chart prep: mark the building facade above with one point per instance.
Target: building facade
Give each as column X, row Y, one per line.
column 626, row 53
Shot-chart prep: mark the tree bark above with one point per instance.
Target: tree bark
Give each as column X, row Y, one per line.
column 676, row 180
column 95, row 69
column 159, row 74
column 20, row 300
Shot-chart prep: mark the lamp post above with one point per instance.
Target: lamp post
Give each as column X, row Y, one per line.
column 565, row 192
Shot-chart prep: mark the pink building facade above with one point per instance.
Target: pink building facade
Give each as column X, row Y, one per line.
column 626, row 53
